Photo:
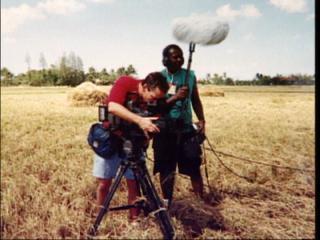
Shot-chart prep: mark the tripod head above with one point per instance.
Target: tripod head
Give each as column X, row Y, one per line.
column 134, row 150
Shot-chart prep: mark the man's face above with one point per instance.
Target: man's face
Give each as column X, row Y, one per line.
column 149, row 95
column 175, row 57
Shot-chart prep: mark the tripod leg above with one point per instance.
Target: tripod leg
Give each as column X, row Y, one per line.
column 154, row 200
column 93, row 230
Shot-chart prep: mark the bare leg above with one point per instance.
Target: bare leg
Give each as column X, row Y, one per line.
column 133, row 193
column 197, row 185
column 102, row 190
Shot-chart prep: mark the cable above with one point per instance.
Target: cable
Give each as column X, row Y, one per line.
column 206, row 168
column 239, row 158
column 262, row 163
column 229, row 169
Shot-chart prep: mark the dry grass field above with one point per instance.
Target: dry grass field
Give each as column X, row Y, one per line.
column 47, row 190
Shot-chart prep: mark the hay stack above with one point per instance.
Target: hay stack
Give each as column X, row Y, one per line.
column 86, row 94
column 212, row 92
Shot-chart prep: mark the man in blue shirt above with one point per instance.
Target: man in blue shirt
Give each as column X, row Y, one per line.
column 170, row 144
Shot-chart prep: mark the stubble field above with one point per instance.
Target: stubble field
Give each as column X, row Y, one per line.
column 47, row 190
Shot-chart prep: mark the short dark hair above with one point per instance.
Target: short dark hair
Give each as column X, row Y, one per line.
column 165, row 51
column 156, row 79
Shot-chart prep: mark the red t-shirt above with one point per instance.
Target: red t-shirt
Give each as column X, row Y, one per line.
column 121, row 88
column 119, row 91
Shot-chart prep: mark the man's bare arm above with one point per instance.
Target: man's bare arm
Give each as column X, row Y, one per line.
column 145, row 123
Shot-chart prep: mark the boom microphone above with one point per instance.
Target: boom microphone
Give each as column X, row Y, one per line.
column 196, row 29
column 204, row 30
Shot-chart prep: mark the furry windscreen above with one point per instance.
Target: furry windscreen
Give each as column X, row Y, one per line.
column 203, row 30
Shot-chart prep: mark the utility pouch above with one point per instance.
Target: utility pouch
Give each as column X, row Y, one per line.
column 102, row 141
column 192, row 145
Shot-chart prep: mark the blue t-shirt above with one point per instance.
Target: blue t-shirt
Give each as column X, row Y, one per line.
column 181, row 109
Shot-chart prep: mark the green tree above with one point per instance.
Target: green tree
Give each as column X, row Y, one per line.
column 105, row 77
column 42, row 61
column 21, row 78
column 263, row 79
column 121, row 71
column 36, row 78
column 63, row 71
column 224, row 76
column 113, row 76
column 6, row 77
column 229, row 81
column 130, row 70
column 28, row 61
column 43, row 66
column 217, row 80
column 79, row 64
column 69, row 72
column 52, row 76
column 266, row 80
column 92, row 74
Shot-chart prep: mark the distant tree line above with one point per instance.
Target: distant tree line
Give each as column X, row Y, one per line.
column 67, row 72
column 260, row 79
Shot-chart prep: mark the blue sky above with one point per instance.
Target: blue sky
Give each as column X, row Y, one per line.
column 266, row 36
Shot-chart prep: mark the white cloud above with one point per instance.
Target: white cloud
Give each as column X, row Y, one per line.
column 248, row 37
column 310, row 17
column 225, row 11
column 254, row 64
column 230, row 51
column 63, row 7
column 290, row 6
column 8, row 40
column 248, row 11
column 14, row 17
column 296, row 36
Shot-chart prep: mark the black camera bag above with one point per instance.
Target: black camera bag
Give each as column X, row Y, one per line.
column 192, row 145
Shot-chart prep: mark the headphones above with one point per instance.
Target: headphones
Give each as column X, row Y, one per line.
column 165, row 55
column 165, row 61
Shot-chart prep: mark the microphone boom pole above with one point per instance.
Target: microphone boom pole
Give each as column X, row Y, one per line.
column 192, row 47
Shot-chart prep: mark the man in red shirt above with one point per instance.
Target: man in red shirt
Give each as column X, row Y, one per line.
column 153, row 87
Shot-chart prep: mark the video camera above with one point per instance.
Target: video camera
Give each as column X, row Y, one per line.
column 135, row 104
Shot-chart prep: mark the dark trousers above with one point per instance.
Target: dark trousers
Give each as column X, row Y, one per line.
column 172, row 149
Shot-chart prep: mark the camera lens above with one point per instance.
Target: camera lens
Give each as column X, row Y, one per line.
column 127, row 147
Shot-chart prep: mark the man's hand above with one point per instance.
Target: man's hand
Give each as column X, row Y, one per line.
column 146, row 124
column 182, row 93
column 201, row 125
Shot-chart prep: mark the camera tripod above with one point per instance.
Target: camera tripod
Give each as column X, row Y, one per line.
column 153, row 204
